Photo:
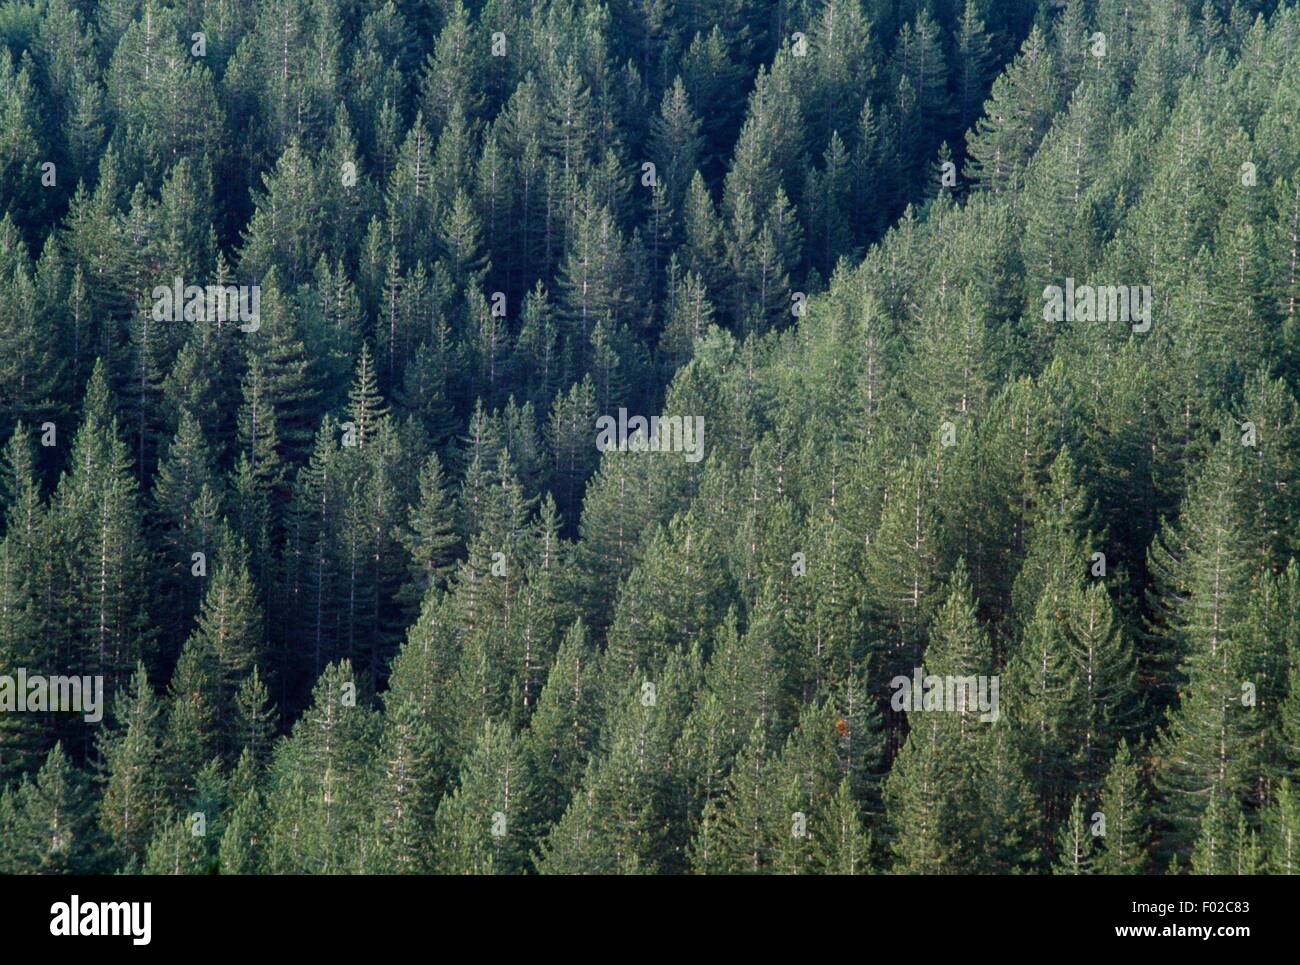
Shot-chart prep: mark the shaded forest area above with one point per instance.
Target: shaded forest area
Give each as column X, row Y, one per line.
column 368, row 598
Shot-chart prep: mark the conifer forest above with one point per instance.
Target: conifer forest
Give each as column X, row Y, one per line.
column 650, row 436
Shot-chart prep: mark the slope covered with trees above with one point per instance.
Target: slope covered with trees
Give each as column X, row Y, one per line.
column 367, row 596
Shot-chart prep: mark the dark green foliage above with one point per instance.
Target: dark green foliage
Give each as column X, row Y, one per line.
column 371, row 590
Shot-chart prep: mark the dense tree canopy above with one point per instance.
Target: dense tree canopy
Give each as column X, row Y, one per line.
column 971, row 331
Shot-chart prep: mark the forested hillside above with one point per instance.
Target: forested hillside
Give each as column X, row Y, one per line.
column 978, row 324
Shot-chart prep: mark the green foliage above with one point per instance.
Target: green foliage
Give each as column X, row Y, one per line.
column 367, row 597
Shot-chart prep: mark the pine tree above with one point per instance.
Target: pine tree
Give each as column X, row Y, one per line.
column 690, row 317
column 741, row 683
column 734, row 835
column 843, row 847
column 974, row 53
column 1107, row 676
column 903, row 568
column 1123, row 809
column 331, row 328
column 259, row 439
column 1213, row 851
column 675, row 142
column 929, row 784
column 229, row 629
column 1282, row 832
column 484, row 826
column 453, row 70
column 702, row 239
column 568, row 432
column 31, row 376
column 625, row 817
column 1199, row 571
column 1049, row 712
column 1074, row 848
column 291, row 390
column 21, row 489
column 183, row 476
column 241, row 849
column 1015, row 118
column 460, row 235
column 952, row 364
column 311, row 574
column 53, row 825
column 919, row 59
column 320, row 779
column 407, row 792
column 283, row 234
column 22, row 736
column 255, row 720
column 100, row 546
column 132, row 756
column 1209, row 750
column 429, row 536
column 366, row 407
column 176, row 850
column 562, row 733
column 191, row 733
